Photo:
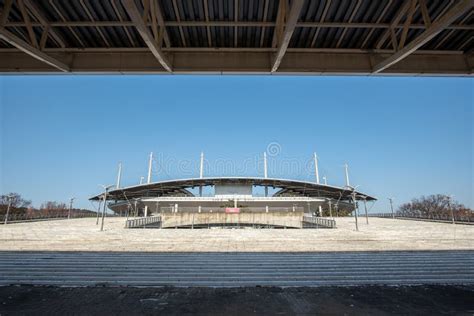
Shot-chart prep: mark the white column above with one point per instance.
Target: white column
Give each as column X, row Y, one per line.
column 201, row 168
column 201, row 172
column 265, row 171
column 141, row 180
column 346, row 167
column 150, row 163
column 316, row 170
column 325, row 180
column 119, row 175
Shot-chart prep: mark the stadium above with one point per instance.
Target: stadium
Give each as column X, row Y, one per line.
column 256, row 202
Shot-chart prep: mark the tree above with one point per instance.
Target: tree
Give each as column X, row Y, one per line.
column 436, row 206
column 19, row 205
column 21, row 209
column 16, row 200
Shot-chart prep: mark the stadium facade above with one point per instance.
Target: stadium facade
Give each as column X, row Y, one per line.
column 233, row 201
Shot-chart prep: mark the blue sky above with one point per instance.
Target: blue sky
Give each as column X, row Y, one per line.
column 62, row 136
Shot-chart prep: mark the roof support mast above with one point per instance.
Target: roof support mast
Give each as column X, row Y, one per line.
column 201, row 172
column 346, row 167
column 119, row 175
column 265, row 171
column 316, row 170
column 150, row 163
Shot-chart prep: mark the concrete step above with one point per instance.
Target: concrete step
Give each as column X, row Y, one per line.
column 236, row 269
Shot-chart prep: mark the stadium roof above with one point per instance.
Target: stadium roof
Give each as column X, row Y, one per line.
column 238, row 36
column 180, row 186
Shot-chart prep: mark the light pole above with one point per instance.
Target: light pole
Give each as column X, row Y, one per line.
column 355, row 208
column 8, row 208
column 365, row 207
column 70, row 208
column 451, row 209
column 391, row 207
column 106, row 189
column 98, row 212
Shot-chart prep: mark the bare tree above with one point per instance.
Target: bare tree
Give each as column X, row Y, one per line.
column 436, row 206
column 16, row 200
column 18, row 207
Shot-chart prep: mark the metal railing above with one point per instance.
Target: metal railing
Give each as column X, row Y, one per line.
column 384, row 215
column 142, row 221
column 18, row 218
column 312, row 222
column 433, row 217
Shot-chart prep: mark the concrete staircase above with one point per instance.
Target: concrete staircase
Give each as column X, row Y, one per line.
column 236, row 269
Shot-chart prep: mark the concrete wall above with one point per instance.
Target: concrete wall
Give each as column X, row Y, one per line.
column 288, row 219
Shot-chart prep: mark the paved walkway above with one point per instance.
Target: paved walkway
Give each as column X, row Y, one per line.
column 380, row 234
